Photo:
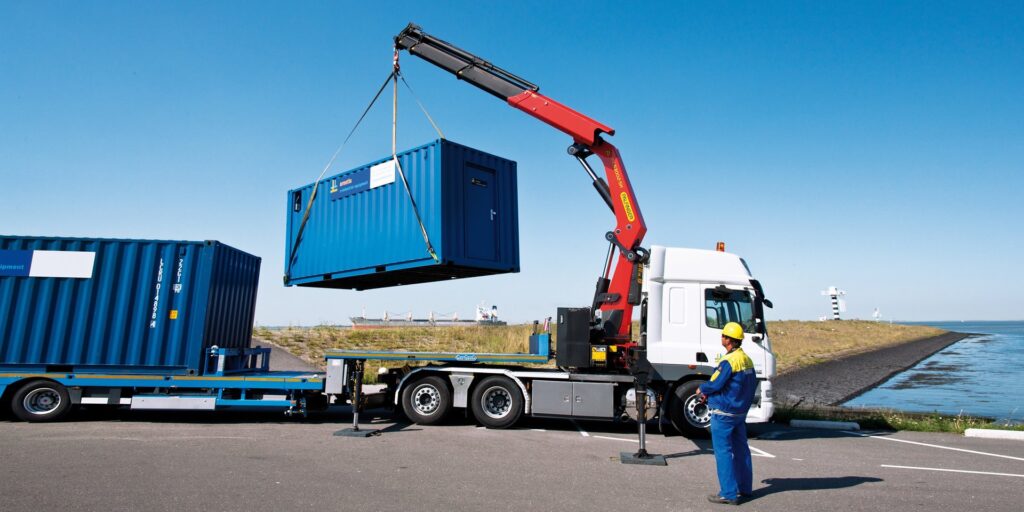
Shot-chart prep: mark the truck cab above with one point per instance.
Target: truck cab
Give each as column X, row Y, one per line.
column 691, row 295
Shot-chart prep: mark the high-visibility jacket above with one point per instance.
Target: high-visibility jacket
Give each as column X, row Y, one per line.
column 731, row 388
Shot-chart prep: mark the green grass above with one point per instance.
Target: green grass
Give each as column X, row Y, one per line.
column 894, row 420
column 796, row 344
column 310, row 343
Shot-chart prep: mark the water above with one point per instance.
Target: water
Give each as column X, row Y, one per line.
column 978, row 376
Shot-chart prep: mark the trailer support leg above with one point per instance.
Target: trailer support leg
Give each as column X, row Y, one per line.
column 640, row 375
column 357, row 403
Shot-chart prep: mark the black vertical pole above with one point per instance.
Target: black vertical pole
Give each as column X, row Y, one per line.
column 356, row 385
column 640, row 367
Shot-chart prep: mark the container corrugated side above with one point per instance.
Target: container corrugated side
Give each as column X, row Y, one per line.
column 146, row 305
column 371, row 239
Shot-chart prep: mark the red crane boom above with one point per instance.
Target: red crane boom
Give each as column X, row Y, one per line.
column 618, row 289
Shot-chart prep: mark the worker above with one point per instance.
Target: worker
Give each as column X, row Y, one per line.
column 729, row 394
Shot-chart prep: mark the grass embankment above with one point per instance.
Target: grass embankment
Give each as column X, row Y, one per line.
column 798, row 344
column 310, row 343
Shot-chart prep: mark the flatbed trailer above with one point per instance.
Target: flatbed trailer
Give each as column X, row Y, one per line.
column 234, row 378
column 498, row 389
column 237, row 378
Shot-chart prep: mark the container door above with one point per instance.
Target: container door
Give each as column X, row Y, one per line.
column 481, row 215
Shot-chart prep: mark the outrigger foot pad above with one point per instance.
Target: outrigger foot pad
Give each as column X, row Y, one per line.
column 356, row 432
column 642, row 458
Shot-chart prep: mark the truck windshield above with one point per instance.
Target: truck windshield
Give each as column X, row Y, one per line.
column 722, row 305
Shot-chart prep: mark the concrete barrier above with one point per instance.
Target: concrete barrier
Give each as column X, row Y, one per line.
column 988, row 433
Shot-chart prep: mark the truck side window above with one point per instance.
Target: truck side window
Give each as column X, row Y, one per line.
column 723, row 305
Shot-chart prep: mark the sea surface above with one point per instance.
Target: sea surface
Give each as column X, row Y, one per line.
column 978, row 376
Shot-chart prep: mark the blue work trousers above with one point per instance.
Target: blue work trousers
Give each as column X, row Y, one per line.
column 732, row 455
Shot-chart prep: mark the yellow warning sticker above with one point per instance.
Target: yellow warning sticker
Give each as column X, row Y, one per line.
column 627, row 206
column 174, row 314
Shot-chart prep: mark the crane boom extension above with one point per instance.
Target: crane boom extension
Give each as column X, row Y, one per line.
column 617, row 293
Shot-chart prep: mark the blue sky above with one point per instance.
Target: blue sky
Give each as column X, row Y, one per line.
column 874, row 146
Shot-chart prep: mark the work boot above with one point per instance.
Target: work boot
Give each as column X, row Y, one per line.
column 714, row 498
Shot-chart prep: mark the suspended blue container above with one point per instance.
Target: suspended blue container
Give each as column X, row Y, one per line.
column 122, row 306
column 362, row 230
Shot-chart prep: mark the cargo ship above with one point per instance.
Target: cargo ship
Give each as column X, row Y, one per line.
column 483, row 316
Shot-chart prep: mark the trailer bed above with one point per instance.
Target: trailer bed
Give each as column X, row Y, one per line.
column 442, row 357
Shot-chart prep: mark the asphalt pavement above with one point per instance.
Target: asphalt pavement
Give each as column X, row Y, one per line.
column 166, row 461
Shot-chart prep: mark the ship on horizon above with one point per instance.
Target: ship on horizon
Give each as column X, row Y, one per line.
column 483, row 316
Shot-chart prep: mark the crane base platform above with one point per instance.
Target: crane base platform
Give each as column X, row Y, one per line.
column 646, row 460
column 356, row 432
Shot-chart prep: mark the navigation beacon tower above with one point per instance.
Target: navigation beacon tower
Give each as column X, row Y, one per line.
column 838, row 303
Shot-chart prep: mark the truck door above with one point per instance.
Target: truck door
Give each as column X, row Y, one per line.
column 678, row 318
column 724, row 304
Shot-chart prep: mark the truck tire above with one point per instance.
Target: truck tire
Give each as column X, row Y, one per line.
column 497, row 402
column 41, row 400
column 687, row 415
column 426, row 401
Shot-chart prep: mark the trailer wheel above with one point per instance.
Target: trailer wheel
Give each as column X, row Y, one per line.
column 497, row 402
column 688, row 416
column 427, row 400
column 41, row 400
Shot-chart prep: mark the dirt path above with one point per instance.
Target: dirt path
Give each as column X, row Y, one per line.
column 835, row 382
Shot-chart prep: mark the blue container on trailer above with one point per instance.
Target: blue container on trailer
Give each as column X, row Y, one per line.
column 362, row 230
column 122, row 306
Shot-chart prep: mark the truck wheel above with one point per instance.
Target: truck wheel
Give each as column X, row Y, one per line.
column 41, row 400
column 687, row 415
column 497, row 402
column 427, row 400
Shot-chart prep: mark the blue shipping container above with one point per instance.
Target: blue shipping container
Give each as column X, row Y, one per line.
column 76, row 304
column 362, row 231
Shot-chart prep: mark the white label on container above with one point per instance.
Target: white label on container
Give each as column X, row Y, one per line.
column 156, row 294
column 382, row 174
column 75, row 264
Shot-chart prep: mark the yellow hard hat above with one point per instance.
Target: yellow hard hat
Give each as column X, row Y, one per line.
column 733, row 330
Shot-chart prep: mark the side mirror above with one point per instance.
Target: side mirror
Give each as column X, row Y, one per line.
column 768, row 303
column 711, row 315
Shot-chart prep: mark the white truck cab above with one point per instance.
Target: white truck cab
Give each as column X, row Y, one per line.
column 691, row 295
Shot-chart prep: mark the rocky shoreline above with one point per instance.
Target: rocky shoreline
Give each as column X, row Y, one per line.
column 835, row 382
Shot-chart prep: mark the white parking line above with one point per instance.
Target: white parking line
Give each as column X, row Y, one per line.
column 761, row 453
column 885, row 438
column 954, row 470
column 580, row 429
column 615, row 438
